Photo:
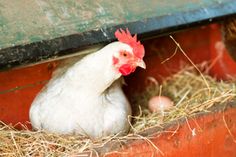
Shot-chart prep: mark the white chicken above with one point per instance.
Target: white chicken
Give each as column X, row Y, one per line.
column 87, row 99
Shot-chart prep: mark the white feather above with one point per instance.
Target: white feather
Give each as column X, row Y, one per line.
column 86, row 99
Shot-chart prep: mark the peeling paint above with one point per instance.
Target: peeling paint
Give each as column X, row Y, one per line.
column 43, row 27
column 51, row 19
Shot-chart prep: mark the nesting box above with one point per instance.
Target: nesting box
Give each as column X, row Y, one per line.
column 33, row 45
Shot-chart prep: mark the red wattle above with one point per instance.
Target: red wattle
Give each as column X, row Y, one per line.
column 126, row 69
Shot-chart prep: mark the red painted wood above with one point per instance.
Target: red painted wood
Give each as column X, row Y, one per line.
column 212, row 139
column 14, row 105
column 224, row 66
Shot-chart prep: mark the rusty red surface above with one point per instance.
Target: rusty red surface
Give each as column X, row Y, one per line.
column 202, row 136
column 17, row 90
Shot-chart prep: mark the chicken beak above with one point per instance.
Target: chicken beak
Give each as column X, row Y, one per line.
column 141, row 64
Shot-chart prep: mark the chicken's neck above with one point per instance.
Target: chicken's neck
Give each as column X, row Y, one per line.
column 94, row 73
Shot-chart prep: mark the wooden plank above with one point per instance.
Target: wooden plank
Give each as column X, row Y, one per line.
column 35, row 30
column 209, row 134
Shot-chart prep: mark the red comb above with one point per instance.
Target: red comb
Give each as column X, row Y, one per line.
column 126, row 37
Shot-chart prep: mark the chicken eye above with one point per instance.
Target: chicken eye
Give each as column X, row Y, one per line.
column 124, row 54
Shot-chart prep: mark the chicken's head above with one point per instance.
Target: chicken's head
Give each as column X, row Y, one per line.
column 126, row 60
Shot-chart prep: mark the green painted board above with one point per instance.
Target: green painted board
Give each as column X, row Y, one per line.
column 24, row 22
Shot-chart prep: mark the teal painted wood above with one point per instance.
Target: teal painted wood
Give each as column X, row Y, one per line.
column 26, row 21
column 37, row 30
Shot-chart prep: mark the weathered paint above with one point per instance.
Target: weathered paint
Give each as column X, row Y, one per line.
column 35, row 30
column 18, row 88
column 33, row 20
column 225, row 66
column 209, row 135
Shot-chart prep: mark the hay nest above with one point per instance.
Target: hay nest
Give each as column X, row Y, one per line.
column 190, row 93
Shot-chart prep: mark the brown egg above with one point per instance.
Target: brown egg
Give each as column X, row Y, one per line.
column 159, row 104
